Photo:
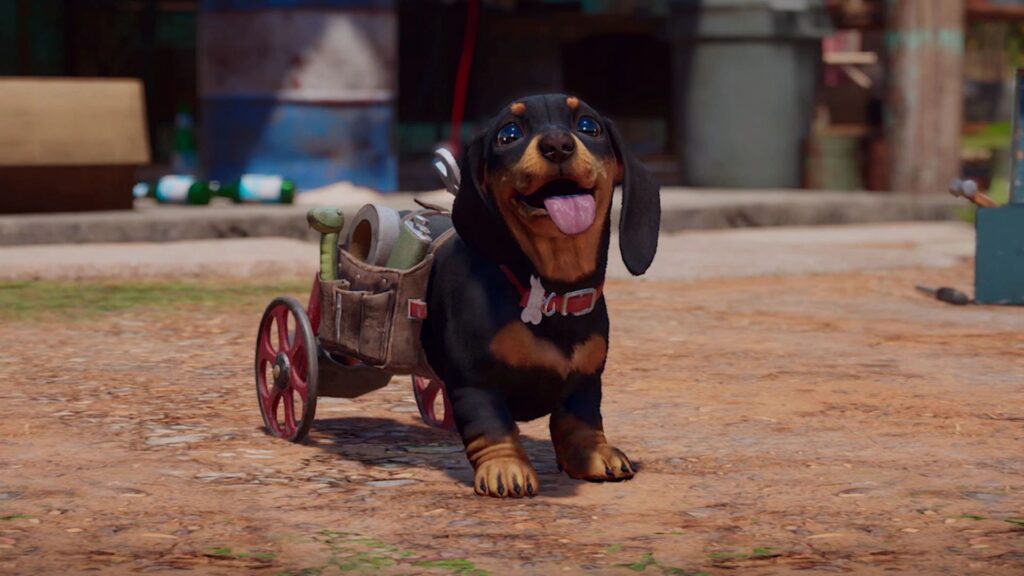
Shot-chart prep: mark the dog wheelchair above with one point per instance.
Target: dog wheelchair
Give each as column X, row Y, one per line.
column 361, row 325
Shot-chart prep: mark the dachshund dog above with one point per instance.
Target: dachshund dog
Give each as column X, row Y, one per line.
column 518, row 327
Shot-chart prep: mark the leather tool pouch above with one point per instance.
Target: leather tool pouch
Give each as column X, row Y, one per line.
column 375, row 314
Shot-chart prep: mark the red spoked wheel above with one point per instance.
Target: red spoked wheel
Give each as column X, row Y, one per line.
column 286, row 370
column 431, row 399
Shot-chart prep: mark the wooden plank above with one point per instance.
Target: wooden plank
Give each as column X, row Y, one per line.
column 925, row 96
column 72, row 122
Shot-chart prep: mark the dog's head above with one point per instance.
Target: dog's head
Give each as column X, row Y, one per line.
column 539, row 181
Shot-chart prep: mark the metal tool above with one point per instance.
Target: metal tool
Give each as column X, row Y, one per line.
column 448, row 169
column 946, row 294
column 969, row 189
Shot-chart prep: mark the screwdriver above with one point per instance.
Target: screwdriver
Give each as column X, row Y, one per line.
column 945, row 294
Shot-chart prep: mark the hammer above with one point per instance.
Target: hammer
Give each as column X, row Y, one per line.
column 969, row 189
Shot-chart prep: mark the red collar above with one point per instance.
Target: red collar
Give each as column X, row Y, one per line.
column 574, row 303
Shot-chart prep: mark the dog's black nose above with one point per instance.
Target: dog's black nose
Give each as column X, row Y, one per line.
column 557, row 146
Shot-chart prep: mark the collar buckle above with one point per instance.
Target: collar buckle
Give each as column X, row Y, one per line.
column 575, row 295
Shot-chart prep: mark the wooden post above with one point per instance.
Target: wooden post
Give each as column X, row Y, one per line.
column 924, row 106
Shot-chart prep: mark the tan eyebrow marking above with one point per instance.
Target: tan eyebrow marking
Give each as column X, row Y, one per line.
column 572, row 102
column 518, row 108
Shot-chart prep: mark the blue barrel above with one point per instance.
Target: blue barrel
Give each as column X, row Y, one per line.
column 301, row 88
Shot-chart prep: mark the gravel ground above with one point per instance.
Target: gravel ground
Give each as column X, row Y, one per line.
column 837, row 422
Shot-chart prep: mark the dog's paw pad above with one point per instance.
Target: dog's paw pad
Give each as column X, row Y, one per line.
column 506, row 478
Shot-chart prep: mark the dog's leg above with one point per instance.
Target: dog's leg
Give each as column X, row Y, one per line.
column 578, row 435
column 491, row 437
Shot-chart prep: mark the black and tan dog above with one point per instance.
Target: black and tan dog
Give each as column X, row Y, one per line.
column 518, row 328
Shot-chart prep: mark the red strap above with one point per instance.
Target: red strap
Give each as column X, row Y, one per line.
column 523, row 292
column 577, row 303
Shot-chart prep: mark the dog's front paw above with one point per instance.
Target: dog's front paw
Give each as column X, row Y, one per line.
column 600, row 463
column 507, row 477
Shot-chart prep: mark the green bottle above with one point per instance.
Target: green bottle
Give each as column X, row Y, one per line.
column 183, row 158
column 260, row 188
column 182, row 189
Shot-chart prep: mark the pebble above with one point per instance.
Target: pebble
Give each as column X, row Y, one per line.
column 206, row 476
column 853, row 493
column 391, row 483
column 984, row 496
column 170, row 440
column 74, row 530
column 700, row 512
column 434, row 449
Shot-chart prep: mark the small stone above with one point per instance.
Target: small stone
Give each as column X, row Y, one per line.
column 391, row 483
column 700, row 512
column 434, row 449
column 171, row 440
column 910, row 530
column 74, row 530
column 210, row 476
column 853, row 493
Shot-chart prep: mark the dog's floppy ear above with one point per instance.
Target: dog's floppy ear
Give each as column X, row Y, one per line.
column 641, row 207
column 474, row 214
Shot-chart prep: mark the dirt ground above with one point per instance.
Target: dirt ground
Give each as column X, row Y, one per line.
column 815, row 424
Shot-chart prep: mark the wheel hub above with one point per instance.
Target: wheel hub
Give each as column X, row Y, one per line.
column 282, row 371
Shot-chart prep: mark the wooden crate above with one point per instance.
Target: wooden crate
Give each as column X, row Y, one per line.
column 70, row 144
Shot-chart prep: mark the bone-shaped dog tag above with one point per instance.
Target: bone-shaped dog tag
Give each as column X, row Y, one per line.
column 534, row 313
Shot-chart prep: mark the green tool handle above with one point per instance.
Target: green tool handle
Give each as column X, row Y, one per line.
column 328, row 221
column 329, row 256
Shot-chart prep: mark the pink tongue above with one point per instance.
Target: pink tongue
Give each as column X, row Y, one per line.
column 572, row 214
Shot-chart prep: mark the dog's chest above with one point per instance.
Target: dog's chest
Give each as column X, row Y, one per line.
column 518, row 347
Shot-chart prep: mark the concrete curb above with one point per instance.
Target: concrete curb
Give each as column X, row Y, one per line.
column 682, row 209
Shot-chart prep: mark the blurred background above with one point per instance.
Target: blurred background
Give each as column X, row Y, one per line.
column 754, row 94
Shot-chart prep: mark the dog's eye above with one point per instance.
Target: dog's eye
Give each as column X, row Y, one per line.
column 509, row 133
column 587, row 125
